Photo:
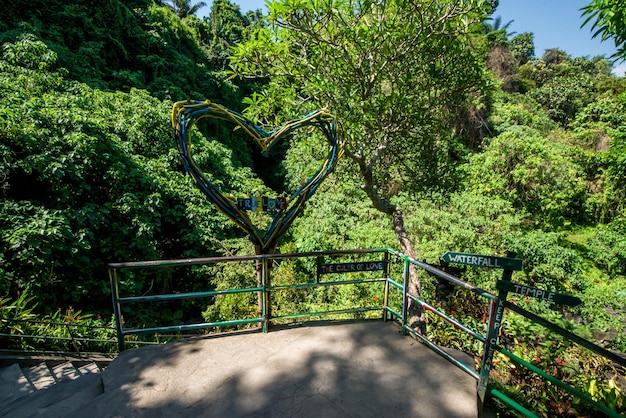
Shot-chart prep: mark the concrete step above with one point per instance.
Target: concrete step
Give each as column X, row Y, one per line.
column 40, row 376
column 90, row 367
column 22, row 382
column 67, row 398
column 65, row 371
column 13, row 384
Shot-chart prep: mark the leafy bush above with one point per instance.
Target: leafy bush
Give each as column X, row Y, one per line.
column 63, row 329
column 520, row 110
column 91, row 177
column 547, row 263
column 608, row 247
column 533, row 172
column 460, row 222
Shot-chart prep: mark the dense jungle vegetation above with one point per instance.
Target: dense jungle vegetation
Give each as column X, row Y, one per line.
column 458, row 138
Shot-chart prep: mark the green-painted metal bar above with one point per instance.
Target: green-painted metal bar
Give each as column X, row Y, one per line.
column 183, row 262
column 203, row 325
column 496, row 393
column 213, row 260
column 405, row 292
column 386, row 291
column 442, row 353
column 570, row 336
column 394, row 313
column 117, row 312
column 559, row 383
column 45, row 337
column 330, row 312
column 266, row 310
column 395, row 284
column 177, row 296
column 323, row 283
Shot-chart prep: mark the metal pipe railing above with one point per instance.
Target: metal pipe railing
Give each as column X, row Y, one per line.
column 559, row 383
column 265, row 316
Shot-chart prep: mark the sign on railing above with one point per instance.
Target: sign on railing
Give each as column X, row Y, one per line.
column 508, row 264
column 540, row 294
column 488, row 261
column 351, row 267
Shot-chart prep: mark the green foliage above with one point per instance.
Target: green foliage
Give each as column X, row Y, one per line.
column 547, row 263
column 520, row 166
column 91, row 177
column 519, row 110
column 608, row 247
column 339, row 216
column 460, row 222
column 29, row 52
column 116, row 46
column 14, row 314
column 233, row 306
column 600, row 127
column 522, row 47
column 607, row 18
column 562, row 97
column 65, row 330
column 226, row 28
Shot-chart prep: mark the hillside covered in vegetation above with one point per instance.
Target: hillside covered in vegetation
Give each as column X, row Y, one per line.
column 464, row 141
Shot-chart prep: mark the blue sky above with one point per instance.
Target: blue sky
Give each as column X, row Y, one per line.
column 555, row 24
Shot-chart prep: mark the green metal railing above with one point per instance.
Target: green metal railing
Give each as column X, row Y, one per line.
column 265, row 289
column 65, row 339
column 494, row 301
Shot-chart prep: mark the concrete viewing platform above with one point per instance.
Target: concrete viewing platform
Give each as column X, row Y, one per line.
column 315, row 369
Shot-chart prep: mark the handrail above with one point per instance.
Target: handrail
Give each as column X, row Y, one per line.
column 565, row 333
column 535, row 318
column 265, row 290
column 69, row 327
column 396, row 311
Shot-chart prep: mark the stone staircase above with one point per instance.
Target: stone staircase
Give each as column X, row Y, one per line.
column 28, row 389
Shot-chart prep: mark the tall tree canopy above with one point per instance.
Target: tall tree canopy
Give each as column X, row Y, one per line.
column 401, row 75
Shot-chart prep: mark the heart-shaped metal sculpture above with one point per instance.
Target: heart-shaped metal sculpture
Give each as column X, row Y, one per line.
column 186, row 113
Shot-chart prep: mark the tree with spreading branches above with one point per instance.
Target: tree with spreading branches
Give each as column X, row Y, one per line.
column 401, row 75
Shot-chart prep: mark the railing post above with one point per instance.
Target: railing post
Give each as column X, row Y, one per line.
column 267, row 298
column 116, row 308
column 405, row 296
column 72, row 338
column 496, row 316
column 386, row 295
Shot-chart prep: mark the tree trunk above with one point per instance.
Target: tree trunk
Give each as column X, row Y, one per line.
column 417, row 317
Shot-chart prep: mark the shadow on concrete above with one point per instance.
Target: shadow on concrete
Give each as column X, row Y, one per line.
column 328, row 369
